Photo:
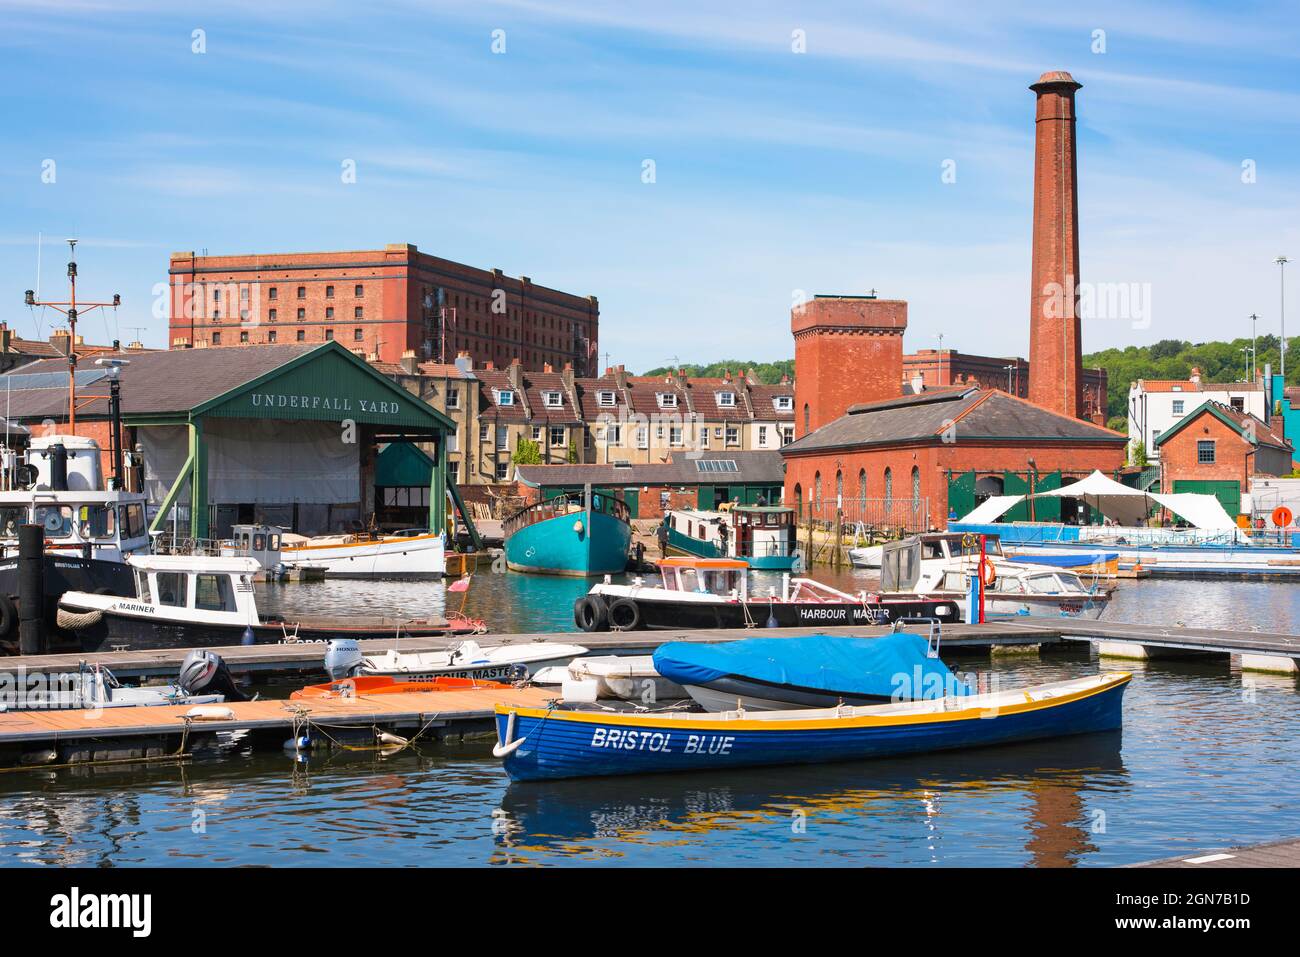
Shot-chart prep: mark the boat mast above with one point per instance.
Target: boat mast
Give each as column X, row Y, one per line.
column 69, row 309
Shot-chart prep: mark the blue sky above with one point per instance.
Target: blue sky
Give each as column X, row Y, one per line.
column 775, row 171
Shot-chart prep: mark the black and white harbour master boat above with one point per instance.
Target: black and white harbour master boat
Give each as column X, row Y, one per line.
column 715, row 593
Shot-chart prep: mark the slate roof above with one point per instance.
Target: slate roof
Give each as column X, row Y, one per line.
column 1244, row 423
column 751, row 467
column 974, row 413
column 153, row 383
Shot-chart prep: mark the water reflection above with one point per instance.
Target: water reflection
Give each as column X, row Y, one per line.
column 910, row 796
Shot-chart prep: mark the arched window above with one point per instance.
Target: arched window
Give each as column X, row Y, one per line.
column 916, row 489
column 889, row 492
column 806, row 418
column 817, row 488
column 839, row 489
column 798, row 499
column 862, row 487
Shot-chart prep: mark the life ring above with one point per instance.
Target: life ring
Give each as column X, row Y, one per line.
column 968, row 540
column 590, row 613
column 989, row 575
column 1282, row 517
column 624, row 615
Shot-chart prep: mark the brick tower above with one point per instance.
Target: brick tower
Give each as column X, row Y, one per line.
column 1055, row 348
column 847, row 349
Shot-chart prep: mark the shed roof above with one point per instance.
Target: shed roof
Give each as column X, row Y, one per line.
column 973, row 413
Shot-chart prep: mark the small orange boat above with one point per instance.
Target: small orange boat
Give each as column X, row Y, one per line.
column 366, row 685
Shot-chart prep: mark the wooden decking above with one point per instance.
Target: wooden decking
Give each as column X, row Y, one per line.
column 307, row 657
column 398, row 711
column 1277, row 854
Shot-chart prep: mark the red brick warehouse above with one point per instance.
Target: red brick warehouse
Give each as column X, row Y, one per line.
column 387, row 303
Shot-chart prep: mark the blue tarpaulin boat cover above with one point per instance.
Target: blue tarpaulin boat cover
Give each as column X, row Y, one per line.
column 889, row 666
column 1077, row 560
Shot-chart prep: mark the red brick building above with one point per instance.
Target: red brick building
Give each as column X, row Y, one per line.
column 383, row 303
column 847, row 349
column 919, row 454
column 939, row 368
column 1217, row 449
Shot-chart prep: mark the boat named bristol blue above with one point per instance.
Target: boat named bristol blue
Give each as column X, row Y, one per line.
column 537, row 744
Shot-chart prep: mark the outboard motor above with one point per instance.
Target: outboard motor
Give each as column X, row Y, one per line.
column 342, row 658
column 204, row 672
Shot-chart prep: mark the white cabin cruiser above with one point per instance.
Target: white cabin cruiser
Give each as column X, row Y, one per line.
column 1010, row 588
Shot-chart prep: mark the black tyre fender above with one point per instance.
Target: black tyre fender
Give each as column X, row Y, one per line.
column 624, row 615
column 8, row 616
column 590, row 613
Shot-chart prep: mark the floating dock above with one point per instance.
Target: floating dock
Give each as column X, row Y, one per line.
column 55, row 737
column 1275, row 854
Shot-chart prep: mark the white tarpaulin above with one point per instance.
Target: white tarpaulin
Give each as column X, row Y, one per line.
column 1125, row 505
column 279, row 462
column 263, row 461
column 165, row 448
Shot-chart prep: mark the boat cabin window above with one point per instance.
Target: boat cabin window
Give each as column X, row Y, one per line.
column 95, row 521
column 55, row 519
column 275, row 541
column 131, row 520
column 954, row 581
column 171, row 589
column 142, row 587
column 213, row 593
column 933, row 549
column 259, row 542
column 1041, row 584
column 11, row 516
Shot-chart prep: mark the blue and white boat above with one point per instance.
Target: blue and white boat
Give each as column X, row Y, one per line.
column 582, row 535
column 540, row 744
column 812, row 671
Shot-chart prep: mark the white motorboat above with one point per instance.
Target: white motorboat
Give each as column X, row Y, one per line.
column 420, row 554
column 468, row 660
column 627, row 677
column 915, row 566
column 203, row 679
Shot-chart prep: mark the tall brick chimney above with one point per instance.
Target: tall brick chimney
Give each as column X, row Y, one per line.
column 847, row 350
column 1055, row 347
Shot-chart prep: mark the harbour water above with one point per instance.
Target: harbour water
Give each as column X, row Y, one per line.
column 1205, row 759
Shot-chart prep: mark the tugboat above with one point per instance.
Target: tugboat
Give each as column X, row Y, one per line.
column 89, row 532
column 715, row 593
column 567, row 535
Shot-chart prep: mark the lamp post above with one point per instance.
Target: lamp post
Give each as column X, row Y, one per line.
column 1250, row 360
column 1254, row 351
column 1281, row 278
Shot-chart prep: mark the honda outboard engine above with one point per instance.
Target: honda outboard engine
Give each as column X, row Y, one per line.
column 342, row 658
column 203, row 672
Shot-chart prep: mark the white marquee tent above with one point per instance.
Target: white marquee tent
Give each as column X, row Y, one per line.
column 1125, row 505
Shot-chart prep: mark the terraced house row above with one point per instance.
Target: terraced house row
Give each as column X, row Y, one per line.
column 615, row 418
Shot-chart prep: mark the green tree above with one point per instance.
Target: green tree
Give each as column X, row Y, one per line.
column 573, row 452
column 527, row 452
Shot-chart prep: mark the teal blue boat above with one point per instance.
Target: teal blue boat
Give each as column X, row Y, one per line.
column 575, row 535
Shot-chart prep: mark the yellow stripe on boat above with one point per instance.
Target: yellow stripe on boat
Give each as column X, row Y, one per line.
column 1107, row 682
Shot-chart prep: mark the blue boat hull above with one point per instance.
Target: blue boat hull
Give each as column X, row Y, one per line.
column 555, row 547
column 560, row 744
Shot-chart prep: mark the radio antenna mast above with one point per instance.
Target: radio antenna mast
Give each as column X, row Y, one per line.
column 70, row 310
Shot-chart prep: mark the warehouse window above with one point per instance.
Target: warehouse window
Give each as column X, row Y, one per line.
column 1205, row 452
column 329, row 312
column 302, row 292
column 358, row 335
column 216, row 338
column 329, row 292
column 270, row 316
column 329, row 334
column 274, row 293
column 243, row 337
column 270, row 336
column 359, row 291
column 356, row 313
column 302, row 314
column 302, row 335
